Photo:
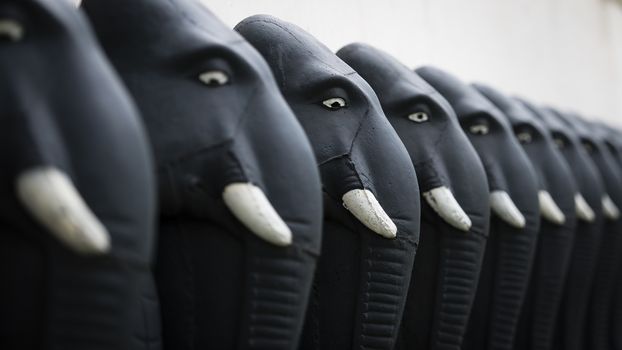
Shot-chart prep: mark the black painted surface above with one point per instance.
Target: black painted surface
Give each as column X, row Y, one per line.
column 220, row 285
column 62, row 106
column 362, row 280
column 510, row 253
column 448, row 260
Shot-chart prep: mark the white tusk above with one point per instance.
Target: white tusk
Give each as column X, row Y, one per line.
column 445, row 205
column 364, row 206
column 11, row 29
column 249, row 204
column 610, row 209
column 549, row 209
column 50, row 197
column 502, row 205
column 584, row 211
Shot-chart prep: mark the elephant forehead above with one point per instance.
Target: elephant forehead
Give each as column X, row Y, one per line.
column 290, row 51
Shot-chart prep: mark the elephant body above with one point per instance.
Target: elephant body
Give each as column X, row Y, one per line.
column 572, row 320
column 555, row 240
column 609, row 257
column 367, row 253
column 511, row 247
column 69, row 124
column 450, row 253
column 239, row 192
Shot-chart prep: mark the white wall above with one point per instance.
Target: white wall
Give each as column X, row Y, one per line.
column 567, row 53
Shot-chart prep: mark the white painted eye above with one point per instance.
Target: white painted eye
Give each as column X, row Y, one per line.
column 334, row 103
column 524, row 137
column 479, row 129
column 418, row 117
column 214, row 78
column 11, row 30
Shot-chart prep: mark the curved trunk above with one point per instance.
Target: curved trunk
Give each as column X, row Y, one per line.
column 617, row 315
column 360, row 289
column 443, row 286
column 540, row 312
column 603, row 287
column 501, row 292
column 574, row 310
column 68, row 301
column 255, row 297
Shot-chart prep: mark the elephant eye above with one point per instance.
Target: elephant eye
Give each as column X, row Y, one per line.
column 559, row 142
column 588, row 147
column 334, row 103
column 418, row 117
column 479, row 129
column 524, row 137
column 11, row 30
column 214, row 78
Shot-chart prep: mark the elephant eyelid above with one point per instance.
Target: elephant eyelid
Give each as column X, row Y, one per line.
column 11, row 30
column 479, row 129
column 335, row 103
column 214, row 78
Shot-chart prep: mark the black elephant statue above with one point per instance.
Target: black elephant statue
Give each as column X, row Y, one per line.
column 77, row 194
column 371, row 196
column 452, row 181
column 613, row 140
column 239, row 190
column 513, row 188
column 609, row 256
column 558, row 197
column 572, row 317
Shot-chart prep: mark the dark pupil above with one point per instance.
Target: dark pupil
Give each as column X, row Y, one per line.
column 212, row 82
column 588, row 147
column 335, row 105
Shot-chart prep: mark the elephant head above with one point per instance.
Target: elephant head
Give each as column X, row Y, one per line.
column 454, row 223
column 558, row 199
column 239, row 192
column 572, row 318
column 609, row 257
column 513, row 232
column 77, row 193
column 371, row 197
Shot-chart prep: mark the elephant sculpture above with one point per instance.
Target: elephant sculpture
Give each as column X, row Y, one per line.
column 454, row 222
column 613, row 140
column 572, row 318
column 371, row 196
column 609, row 257
column 559, row 200
column 511, row 246
column 77, row 193
column 239, row 192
